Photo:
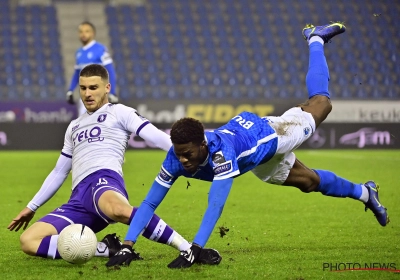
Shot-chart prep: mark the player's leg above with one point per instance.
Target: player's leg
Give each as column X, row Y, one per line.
column 117, row 208
column 40, row 239
column 317, row 79
column 329, row 184
column 32, row 238
column 112, row 204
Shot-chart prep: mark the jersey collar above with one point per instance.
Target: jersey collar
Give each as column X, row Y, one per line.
column 88, row 46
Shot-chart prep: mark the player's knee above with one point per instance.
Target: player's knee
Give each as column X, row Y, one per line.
column 27, row 242
column 308, row 185
column 120, row 212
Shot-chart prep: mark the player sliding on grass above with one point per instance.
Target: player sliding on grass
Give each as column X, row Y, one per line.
column 94, row 148
column 247, row 142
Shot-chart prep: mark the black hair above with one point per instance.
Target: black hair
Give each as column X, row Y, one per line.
column 187, row 130
column 95, row 70
column 90, row 24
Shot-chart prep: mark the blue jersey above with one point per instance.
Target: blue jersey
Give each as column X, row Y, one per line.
column 93, row 53
column 234, row 148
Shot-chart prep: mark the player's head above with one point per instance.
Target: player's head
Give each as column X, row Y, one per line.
column 190, row 147
column 87, row 32
column 94, row 86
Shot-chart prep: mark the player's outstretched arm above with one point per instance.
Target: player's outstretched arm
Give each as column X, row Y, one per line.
column 217, row 197
column 49, row 187
column 159, row 138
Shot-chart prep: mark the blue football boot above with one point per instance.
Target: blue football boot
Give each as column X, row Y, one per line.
column 375, row 205
column 326, row 32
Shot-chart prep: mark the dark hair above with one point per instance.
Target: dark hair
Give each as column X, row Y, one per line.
column 95, row 70
column 90, row 24
column 187, row 130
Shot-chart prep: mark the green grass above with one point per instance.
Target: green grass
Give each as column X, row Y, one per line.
column 275, row 232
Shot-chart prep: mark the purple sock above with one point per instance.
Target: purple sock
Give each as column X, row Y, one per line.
column 156, row 230
column 48, row 248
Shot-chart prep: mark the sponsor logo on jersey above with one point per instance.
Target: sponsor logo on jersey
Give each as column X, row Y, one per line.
column 165, row 176
column 218, row 158
column 102, row 118
column 89, row 55
column 92, row 135
column 75, row 127
column 223, row 168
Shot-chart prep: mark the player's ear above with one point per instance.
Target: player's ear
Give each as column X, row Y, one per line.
column 203, row 144
column 108, row 87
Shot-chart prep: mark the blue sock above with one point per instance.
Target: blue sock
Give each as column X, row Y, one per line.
column 332, row 185
column 317, row 79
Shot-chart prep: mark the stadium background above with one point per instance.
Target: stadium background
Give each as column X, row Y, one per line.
column 204, row 59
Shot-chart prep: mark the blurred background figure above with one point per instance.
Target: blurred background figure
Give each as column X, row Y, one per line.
column 90, row 52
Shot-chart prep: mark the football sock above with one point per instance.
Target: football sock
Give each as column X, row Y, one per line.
column 48, row 248
column 315, row 39
column 157, row 230
column 102, row 250
column 317, row 79
column 333, row 185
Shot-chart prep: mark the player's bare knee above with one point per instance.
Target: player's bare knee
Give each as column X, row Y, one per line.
column 27, row 243
column 120, row 212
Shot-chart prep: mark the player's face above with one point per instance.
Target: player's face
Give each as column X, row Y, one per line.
column 191, row 155
column 94, row 92
column 86, row 33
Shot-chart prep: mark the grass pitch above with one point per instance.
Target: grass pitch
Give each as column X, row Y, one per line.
column 274, row 232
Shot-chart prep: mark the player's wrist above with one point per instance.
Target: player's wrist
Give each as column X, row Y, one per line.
column 128, row 243
column 32, row 206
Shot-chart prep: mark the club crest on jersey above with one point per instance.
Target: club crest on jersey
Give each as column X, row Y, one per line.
column 218, row 158
column 223, row 168
column 102, row 118
column 165, row 176
column 306, row 131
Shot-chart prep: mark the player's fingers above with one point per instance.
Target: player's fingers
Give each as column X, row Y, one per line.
column 26, row 225
column 19, row 226
column 12, row 225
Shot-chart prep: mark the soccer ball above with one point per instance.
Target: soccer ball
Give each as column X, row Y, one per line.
column 77, row 244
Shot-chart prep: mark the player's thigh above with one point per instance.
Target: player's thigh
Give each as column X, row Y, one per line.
column 276, row 170
column 319, row 107
column 293, row 128
column 38, row 231
column 114, row 205
column 302, row 177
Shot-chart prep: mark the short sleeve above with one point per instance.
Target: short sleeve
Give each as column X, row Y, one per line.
column 130, row 119
column 170, row 170
column 106, row 58
column 224, row 163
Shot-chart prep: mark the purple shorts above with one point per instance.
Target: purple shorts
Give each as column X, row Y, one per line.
column 82, row 207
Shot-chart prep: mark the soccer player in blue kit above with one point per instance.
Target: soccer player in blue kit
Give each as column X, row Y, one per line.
column 91, row 52
column 263, row 145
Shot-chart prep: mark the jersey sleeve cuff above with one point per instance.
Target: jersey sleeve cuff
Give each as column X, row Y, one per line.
column 33, row 206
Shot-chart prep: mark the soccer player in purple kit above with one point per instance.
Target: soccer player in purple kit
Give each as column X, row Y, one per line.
column 263, row 145
column 94, row 148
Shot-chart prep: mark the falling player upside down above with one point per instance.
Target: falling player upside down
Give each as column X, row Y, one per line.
column 263, row 145
column 94, row 148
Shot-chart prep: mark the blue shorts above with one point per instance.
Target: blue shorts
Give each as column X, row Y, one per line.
column 82, row 207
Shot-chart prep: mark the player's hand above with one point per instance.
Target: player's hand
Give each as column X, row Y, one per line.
column 112, row 98
column 23, row 219
column 124, row 256
column 186, row 258
column 70, row 97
